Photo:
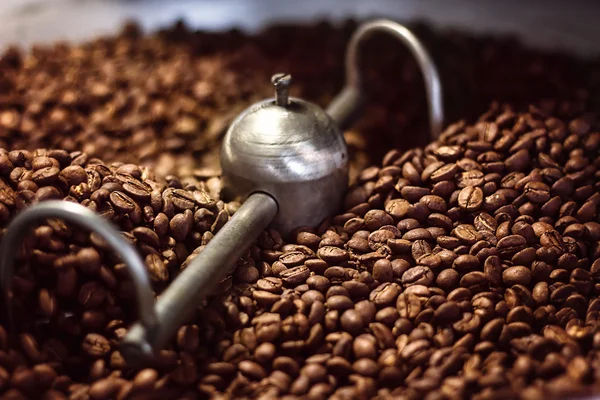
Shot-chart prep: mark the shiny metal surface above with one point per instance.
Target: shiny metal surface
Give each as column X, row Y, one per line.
column 345, row 108
column 295, row 153
column 188, row 290
column 82, row 216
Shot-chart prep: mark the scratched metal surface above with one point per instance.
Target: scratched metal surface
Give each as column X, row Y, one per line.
column 568, row 25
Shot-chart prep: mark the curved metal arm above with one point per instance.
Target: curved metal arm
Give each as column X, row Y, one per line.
column 345, row 107
column 78, row 214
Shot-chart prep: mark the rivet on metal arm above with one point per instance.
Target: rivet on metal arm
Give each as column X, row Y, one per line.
column 80, row 215
column 347, row 104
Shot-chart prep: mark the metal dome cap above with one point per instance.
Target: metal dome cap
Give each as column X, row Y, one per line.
column 290, row 149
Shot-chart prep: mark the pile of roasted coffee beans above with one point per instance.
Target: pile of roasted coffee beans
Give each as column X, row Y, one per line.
column 165, row 100
column 466, row 268
column 73, row 297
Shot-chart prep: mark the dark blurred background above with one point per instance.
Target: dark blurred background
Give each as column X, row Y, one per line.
column 570, row 25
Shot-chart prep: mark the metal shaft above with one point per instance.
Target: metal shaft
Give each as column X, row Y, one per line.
column 345, row 108
column 202, row 274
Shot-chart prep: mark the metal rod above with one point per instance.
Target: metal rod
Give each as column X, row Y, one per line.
column 191, row 286
column 346, row 105
column 82, row 216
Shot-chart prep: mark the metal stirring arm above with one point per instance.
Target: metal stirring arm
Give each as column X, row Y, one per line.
column 346, row 106
column 159, row 320
column 82, row 216
column 310, row 153
column 196, row 281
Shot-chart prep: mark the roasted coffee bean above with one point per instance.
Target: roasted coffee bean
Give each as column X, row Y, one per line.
column 397, row 208
column 121, row 202
column 485, row 222
column 468, row 324
column 417, row 352
column 517, row 275
column 364, row 346
column 339, row 302
column 332, row 254
column 470, row 198
column 367, row 310
column 537, row 192
column 465, row 263
column 475, row 281
column 295, row 276
column 419, row 275
column 408, row 305
column 157, row 268
column 413, row 194
column 136, row 189
column 447, row 279
column 385, row 294
column 417, row 234
column 510, row 245
column 96, row 345
column 444, row 173
column 351, row 322
column 447, row 312
column 92, row 294
column 270, row 284
column 472, row 176
column 375, row 219
column 383, row 271
column 265, row 298
column 466, row 234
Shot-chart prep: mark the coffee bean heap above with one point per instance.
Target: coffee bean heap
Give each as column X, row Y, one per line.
column 467, row 268
column 143, row 99
column 129, row 98
column 73, row 296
